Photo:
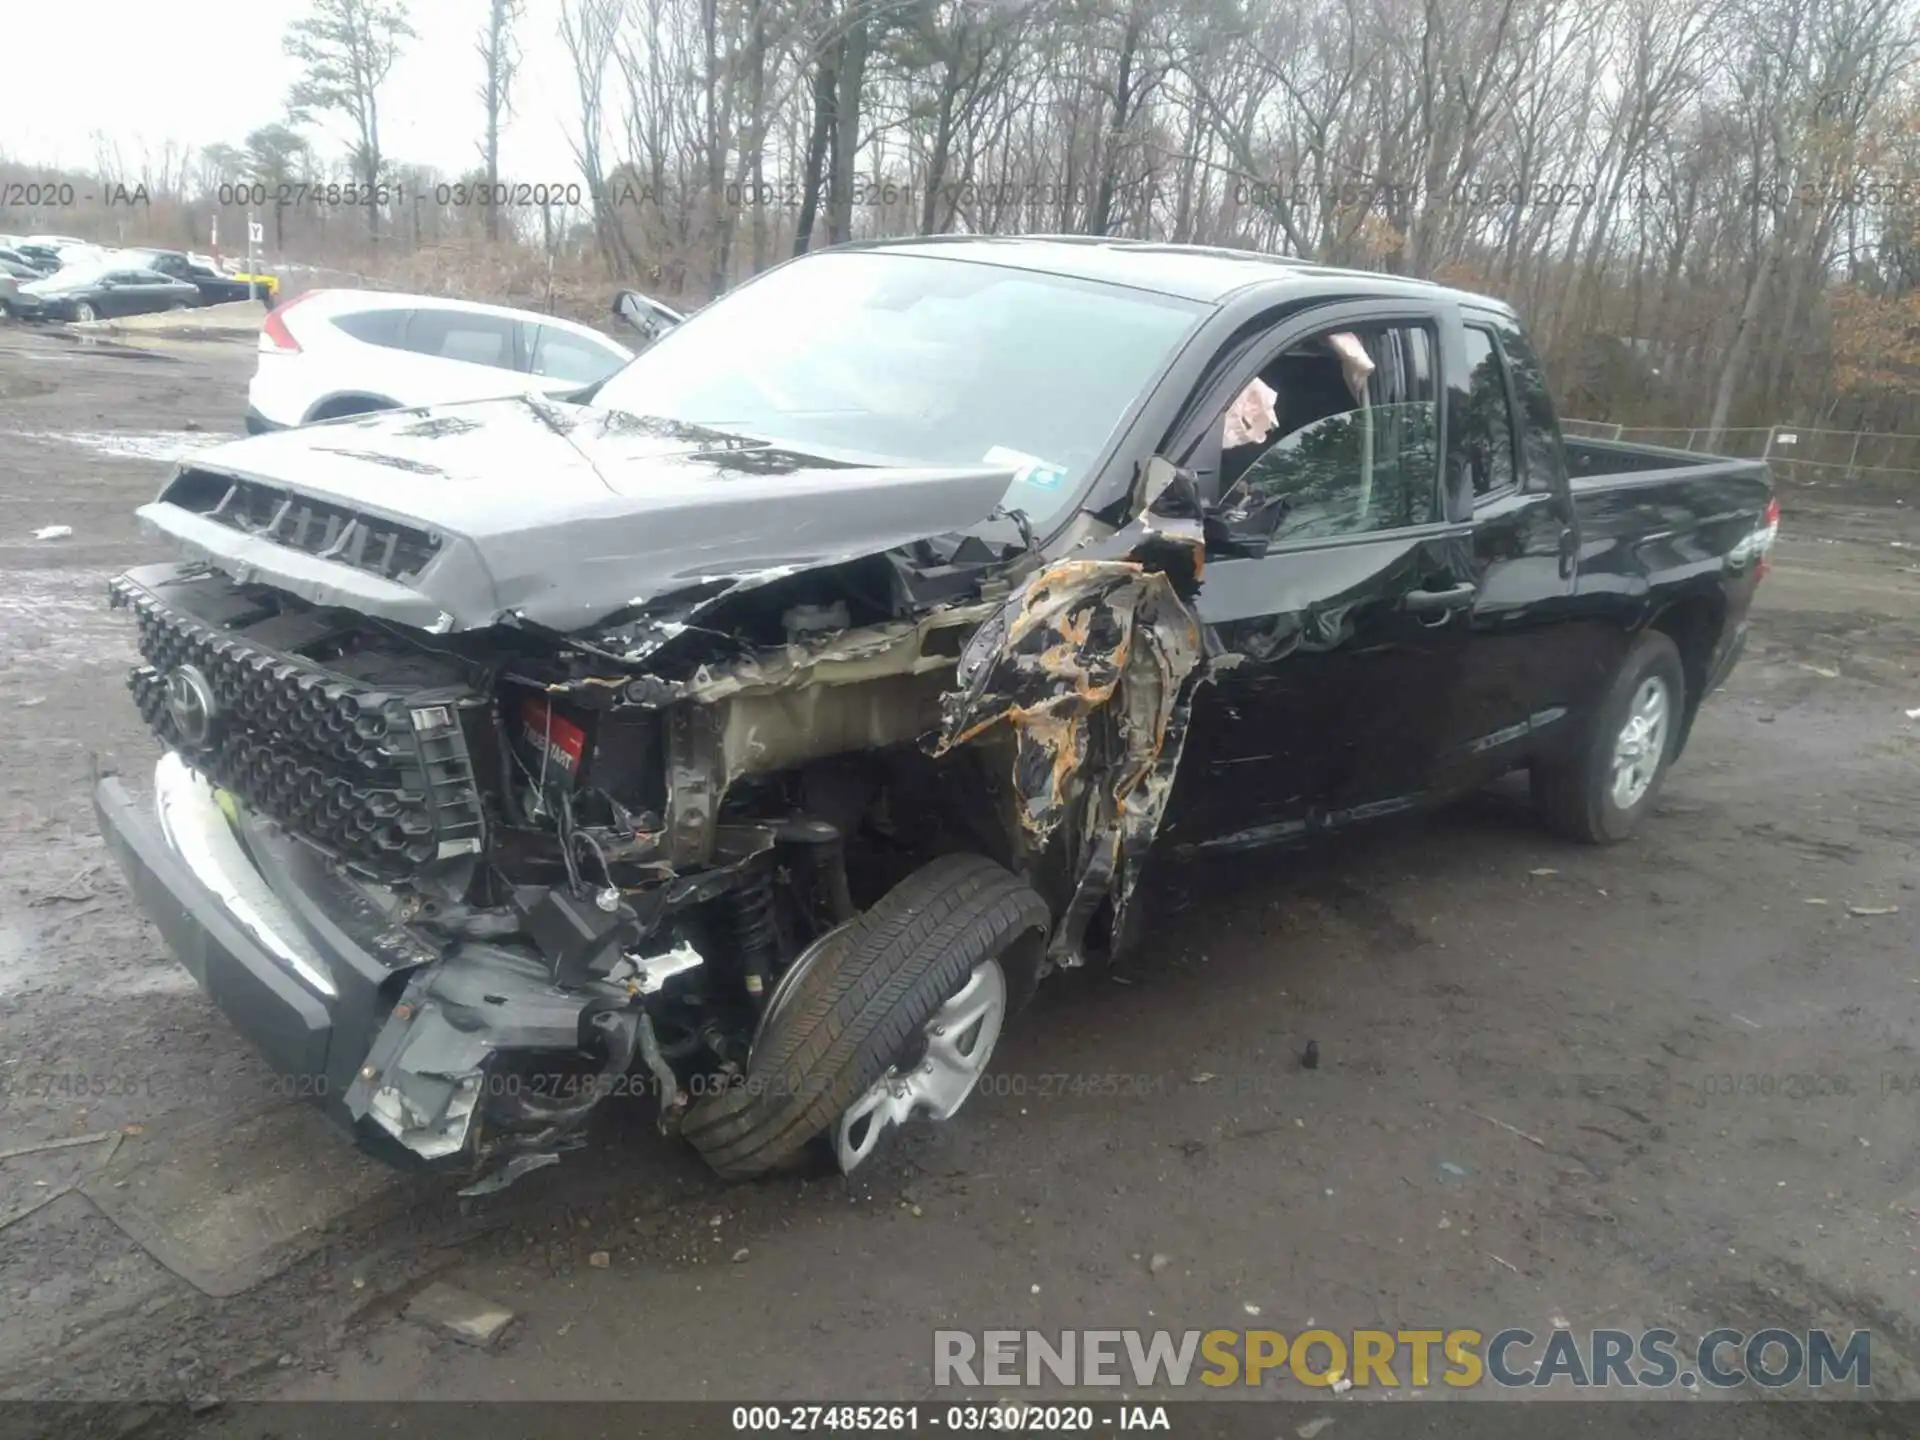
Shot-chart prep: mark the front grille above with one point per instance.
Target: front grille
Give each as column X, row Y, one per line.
column 317, row 527
column 381, row 778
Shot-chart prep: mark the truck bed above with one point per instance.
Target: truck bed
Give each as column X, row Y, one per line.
column 1597, row 463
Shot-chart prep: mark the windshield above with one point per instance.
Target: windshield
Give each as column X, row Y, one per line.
column 925, row 360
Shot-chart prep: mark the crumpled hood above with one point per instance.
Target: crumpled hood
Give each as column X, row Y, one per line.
column 453, row 517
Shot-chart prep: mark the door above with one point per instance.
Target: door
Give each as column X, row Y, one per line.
column 1335, row 575
column 1522, row 666
column 118, row 293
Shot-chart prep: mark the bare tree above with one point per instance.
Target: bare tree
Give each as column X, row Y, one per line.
column 348, row 48
column 500, row 57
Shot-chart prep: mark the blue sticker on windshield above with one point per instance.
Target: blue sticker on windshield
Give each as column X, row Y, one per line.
column 1045, row 477
column 1028, row 470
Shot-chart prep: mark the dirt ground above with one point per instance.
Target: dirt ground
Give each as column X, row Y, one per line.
column 1670, row 1082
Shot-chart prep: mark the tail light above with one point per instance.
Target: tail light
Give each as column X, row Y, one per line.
column 275, row 338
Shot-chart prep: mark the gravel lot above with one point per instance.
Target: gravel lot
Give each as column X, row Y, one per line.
column 1672, row 1082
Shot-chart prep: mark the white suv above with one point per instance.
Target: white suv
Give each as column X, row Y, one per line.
column 328, row 353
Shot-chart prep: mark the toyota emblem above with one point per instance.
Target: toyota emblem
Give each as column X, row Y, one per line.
column 192, row 704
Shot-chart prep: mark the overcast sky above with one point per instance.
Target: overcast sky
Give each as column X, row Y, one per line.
column 200, row 72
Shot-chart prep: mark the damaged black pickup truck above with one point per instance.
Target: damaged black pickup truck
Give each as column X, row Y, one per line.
column 756, row 729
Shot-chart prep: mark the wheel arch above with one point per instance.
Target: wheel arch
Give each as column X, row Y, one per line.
column 347, row 402
column 1694, row 621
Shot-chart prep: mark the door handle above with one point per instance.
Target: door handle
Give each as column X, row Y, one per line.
column 1426, row 602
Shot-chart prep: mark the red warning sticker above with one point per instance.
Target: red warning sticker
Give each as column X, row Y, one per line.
column 554, row 736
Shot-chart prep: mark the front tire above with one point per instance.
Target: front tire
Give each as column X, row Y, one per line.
column 84, row 313
column 894, row 1014
column 1599, row 795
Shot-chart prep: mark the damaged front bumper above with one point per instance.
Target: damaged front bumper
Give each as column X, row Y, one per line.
column 398, row 1039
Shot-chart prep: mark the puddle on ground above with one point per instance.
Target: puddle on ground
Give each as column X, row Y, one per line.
column 53, row 619
column 161, row 445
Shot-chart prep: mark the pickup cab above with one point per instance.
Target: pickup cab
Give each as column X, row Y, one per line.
column 756, row 727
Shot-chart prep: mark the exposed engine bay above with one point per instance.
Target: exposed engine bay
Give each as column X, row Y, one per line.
column 585, row 862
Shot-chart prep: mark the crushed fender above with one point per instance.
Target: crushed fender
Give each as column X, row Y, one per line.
column 1092, row 663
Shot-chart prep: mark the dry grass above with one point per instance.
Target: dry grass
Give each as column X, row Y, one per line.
column 573, row 287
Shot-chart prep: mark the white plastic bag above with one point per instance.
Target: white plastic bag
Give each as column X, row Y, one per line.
column 1251, row 418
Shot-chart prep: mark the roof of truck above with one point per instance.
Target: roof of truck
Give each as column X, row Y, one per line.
column 1207, row 273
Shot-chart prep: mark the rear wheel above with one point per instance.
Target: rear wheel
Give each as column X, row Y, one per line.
column 893, row 1015
column 1598, row 795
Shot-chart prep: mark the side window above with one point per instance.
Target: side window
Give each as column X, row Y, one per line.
column 561, row 355
column 458, row 335
column 1487, row 427
column 1539, row 427
column 375, row 327
column 1354, row 447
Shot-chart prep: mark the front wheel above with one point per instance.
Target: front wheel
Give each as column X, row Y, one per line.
column 84, row 313
column 893, row 1015
column 1598, row 795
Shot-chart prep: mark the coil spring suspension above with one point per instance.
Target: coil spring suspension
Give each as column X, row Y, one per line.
column 755, row 933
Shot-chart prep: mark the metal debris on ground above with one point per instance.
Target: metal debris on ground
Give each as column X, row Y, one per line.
column 516, row 1167
column 1510, row 1129
column 471, row 1319
column 53, row 532
column 1873, row 909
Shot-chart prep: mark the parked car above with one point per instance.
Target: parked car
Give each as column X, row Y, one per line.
column 14, row 256
column 267, row 285
column 11, row 275
column 329, row 353
column 45, row 258
column 766, row 720
column 88, row 293
column 55, row 256
column 214, row 288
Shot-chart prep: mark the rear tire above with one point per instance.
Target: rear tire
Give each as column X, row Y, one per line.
column 1599, row 794
column 860, row 1012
